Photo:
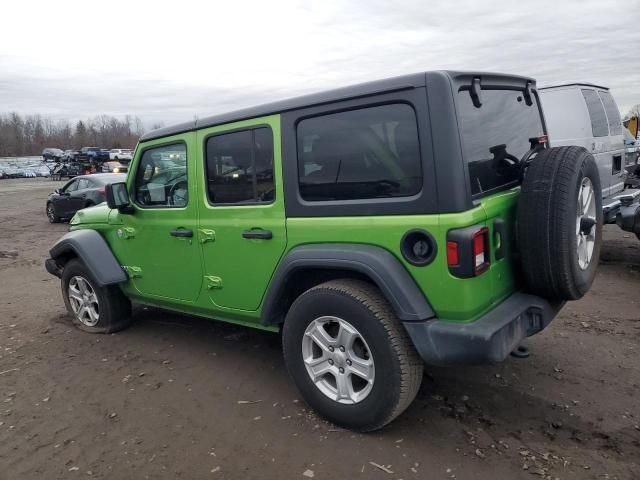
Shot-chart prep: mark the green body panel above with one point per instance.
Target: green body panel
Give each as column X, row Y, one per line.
column 452, row 298
column 219, row 274
column 244, row 266
column 166, row 267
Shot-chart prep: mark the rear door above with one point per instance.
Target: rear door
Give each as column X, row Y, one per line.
column 241, row 229
column 78, row 197
column 615, row 143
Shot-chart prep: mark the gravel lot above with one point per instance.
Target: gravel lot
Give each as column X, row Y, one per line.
column 181, row 397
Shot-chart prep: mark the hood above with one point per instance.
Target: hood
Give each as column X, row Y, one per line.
column 96, row 214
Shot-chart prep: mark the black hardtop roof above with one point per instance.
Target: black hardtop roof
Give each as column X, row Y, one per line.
column 575, row 84
column 414, row 80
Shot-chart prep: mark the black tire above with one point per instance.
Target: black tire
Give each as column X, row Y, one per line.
column 398, row 368
column 51, row 214
column 88, row 204
column 547, row 223
column 114, row 306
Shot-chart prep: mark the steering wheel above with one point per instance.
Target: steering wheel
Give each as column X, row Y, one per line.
column 179, row 194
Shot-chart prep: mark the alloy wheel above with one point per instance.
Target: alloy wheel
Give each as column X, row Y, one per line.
column 586, row 223
column 84, row 301
column 338, row 360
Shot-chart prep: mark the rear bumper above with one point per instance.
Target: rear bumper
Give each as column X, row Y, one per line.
column 490, row 339
column 628, row 216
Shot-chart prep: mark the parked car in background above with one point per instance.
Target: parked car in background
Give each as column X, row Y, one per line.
column 69, row 155
column 93, row 154
column 81, row 192
column 113, row 167
column 52, row 154
column 120, row 154
column 586, row 115
column 68, row 169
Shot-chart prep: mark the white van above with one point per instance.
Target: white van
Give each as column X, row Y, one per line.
column 586, row 115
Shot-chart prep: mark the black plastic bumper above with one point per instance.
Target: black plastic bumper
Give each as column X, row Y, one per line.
column 628, row 218
column 486, row 340
column 52, row 267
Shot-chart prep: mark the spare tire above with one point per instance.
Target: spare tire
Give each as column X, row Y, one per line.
column 559, row 225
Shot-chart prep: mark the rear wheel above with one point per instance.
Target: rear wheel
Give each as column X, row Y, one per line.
column 93, row 308
column 560, row 223
column 349, row 355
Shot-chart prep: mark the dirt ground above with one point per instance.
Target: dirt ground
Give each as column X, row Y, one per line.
column 182, row 397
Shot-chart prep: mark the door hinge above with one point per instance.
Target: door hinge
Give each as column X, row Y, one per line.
column 213, row 282
column 132, row 271
column 207, row 235
column 126, row 232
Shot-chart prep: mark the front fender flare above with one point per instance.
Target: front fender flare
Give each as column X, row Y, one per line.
column 93, row 250
column 378, row 264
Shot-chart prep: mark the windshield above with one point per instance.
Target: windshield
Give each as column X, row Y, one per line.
column 503, row 119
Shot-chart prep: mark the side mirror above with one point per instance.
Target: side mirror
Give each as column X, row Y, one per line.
column 118, row 197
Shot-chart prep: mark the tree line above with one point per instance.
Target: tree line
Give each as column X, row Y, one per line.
column 30, row 134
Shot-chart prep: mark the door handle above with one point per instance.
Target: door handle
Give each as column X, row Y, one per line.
column 182, row 232
column 258, row 233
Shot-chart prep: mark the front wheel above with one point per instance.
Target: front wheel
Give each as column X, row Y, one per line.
column 349, row 355
column 93, row 308
column 51, row 214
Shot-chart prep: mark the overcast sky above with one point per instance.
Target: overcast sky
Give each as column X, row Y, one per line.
column 169, row 61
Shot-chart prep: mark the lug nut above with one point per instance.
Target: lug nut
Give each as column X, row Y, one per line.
column 331, row 349
column 341, row 348
column 341, row 370
column 330, row 362
column 349, row 362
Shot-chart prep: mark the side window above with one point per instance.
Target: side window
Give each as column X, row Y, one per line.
column 83, row 183
column 613, row 114
column 359, row 154
column 240, row 167
column 71, row 187
column 599, row 124
column 161, row 177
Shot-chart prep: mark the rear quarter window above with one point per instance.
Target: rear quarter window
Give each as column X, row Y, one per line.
column 613, row 114
column 366, row 153
column 598, row 117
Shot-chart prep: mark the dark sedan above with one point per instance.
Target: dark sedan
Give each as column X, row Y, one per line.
column 81, row 192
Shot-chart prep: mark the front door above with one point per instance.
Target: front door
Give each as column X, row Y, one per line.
column 157, row 243
column 63, row 203
column 242, row 222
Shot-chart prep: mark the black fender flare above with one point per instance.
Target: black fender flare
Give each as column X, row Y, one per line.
column 378, row 264
column 93, row 250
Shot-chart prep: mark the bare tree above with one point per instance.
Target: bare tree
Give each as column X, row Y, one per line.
column 29, row 135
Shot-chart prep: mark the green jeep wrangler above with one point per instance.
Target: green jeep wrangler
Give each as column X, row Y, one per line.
column 418, row 218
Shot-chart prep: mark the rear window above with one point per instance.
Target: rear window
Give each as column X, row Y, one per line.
column 613, row 114
column 503, row 119
column 367, row 153
column 599, row 124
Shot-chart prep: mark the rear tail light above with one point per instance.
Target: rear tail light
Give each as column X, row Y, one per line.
column 468, row 251
column 480, row 251
column 452, row 253
column 102, row 191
